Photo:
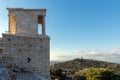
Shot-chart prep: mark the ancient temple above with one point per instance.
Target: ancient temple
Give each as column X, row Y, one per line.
column 21, row 47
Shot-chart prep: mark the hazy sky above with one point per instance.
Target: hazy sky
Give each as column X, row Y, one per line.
column 88, row 28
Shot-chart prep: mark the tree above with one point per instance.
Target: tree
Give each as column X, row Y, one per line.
column 58, row 73
column 96, row 74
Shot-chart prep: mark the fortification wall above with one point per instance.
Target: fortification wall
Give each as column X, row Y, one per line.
column 31, row 54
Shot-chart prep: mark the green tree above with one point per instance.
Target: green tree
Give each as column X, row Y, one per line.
column 96, row 74
column 58, row 73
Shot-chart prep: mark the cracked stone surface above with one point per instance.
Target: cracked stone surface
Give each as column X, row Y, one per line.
column 6, row 74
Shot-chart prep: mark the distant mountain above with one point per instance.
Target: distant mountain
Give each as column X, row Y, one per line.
column 55, row 62
column 79, row 64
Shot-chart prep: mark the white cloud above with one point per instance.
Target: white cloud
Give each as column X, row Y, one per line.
column 112, row 55
column 63, row 57
column 104, row 54
column 0, row 35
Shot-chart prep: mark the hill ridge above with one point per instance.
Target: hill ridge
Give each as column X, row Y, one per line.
column 79, row 64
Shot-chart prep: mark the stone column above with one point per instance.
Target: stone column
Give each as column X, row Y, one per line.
column 36, row 23
column 9, row 24
column 43, row 26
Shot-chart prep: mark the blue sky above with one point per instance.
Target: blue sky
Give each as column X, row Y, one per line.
column 76, row 27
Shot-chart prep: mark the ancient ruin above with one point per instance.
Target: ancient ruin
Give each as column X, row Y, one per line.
column 21, row 47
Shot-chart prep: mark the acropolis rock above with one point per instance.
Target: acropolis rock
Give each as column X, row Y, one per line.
column 22, row 49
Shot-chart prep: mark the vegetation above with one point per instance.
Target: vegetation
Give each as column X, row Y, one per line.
column 96, row 74
column 85, row 69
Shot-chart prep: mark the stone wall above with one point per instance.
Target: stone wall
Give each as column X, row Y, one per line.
column 30, row 54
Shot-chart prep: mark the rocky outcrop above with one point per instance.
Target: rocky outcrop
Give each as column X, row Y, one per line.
column 7, row 74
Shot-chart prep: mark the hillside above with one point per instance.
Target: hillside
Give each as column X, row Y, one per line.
column 55, row 62
column 79, row 64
